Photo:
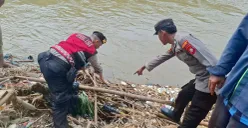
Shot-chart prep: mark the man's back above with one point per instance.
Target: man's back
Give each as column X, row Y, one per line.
column 195, row 54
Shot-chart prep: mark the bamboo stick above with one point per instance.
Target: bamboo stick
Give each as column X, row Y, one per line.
column 145, row 98
column 7, row 97
column 75, row 121
column 24, row 61
column 25, row 104
column 2, row 79
column 31, row 79
column 95, row 99
column 204, row 123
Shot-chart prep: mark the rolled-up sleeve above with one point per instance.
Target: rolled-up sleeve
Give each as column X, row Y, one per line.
column 95, row 64
column 234, row 49
column 159, row 60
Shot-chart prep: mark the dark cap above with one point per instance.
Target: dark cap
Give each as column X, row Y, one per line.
column 167, row 25
column 100, row 36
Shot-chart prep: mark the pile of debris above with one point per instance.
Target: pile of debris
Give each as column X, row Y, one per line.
column 24, row 102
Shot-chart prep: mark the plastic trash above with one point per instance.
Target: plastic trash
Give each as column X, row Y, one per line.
column 123, row 83
column 110, row 109
column 8, row 56
column 161, row 90
column 30, row 57
column 172, row 99
column 133, row 85
column 13, row 126
column 75, row 85
column 149, row 84
column 149, row 102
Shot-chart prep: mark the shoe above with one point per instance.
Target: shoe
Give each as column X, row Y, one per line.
column 168, row 113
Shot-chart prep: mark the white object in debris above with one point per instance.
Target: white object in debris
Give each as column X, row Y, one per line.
column 172, row 91
column 161, row 90
column 150, row 86
column 133, row 85
column 123, row 83
column 149, row 102
column 32, row 83
column 143, row 85
column 42, row 78
column 12, row 126
column 172, row 99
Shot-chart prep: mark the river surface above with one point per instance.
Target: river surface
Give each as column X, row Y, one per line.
column 32, row 26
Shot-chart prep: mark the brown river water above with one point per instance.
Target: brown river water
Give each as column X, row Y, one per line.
column 32, row 26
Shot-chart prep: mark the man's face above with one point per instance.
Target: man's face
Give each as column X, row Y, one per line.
column 163, row 37
column 1, row 2
column 97, row 43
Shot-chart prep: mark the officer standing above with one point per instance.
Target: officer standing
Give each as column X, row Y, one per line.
column 192, row 52
column 1, row 42
column 59, row 66
column 2, row 63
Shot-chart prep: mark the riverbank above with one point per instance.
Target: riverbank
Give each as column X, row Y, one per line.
column 122, row 104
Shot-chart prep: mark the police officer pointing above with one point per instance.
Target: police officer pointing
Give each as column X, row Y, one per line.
column 192, row 52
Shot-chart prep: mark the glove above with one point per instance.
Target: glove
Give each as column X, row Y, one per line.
column 75, row 85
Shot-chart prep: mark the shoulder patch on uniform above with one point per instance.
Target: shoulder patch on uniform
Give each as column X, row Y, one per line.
column 188, row 47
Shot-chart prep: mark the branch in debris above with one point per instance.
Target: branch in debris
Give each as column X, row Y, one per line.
column 31, row 79
column 2, row 79
column 6, row 96
column 75, row 121
column 10, row 95
column 24, row 104
column 37, row 98
column 150, row 114
column 24, row 61
column 95, row 98
column 144, row 98
column 204, row 123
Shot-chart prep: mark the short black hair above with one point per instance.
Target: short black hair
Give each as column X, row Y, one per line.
column 167, row 25
column 100, row 36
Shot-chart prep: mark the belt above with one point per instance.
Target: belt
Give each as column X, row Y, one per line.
column 58, row 60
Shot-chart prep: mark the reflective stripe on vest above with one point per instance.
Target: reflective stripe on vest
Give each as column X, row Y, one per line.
column 64, row 53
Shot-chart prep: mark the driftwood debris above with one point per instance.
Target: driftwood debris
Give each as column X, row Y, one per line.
column 2, row 79
column 7, row 95
column 25, row 104
column 31, row 79
column 144, row 98
column 121, row 104
column 2, row 82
